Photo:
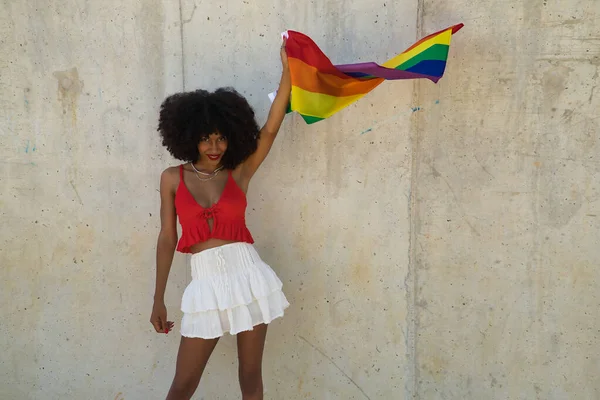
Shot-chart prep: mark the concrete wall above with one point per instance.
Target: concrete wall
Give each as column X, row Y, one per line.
column 80, row 159
column 506, row 225
column 449, row 252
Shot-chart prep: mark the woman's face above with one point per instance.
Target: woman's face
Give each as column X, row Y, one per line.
column 212, row 148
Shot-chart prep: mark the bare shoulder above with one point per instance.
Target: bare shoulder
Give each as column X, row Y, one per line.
column 171, row 172
column 169, row 178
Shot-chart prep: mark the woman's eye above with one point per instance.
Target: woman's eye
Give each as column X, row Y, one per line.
column 222, row 138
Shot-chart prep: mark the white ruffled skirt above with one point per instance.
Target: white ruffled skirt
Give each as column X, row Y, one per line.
column 232, row 290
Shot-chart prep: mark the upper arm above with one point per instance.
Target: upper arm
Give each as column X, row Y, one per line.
column 269, row 131
column 168, row 215
column 265, row 142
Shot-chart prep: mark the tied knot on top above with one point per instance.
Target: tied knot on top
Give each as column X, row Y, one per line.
column 208, row 213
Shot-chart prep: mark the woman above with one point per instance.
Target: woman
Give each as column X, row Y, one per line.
column 232, row 289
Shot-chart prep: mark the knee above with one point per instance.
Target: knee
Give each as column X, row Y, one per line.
column 251, row 381
column 182, row 388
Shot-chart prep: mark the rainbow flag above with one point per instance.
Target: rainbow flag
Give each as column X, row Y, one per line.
column 320, row 89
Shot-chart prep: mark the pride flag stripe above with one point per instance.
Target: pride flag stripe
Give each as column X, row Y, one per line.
column 436, row 52
column 321, row 105
column 313, row 80
column 302, row 48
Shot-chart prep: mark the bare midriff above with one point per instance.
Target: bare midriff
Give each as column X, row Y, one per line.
column 209, row 244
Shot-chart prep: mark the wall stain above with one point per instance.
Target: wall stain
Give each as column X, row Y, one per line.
column 27, row 148
column 86, row 237
column 554, row 83
column 361, row 273
column 26, row 91
column 567, row 116
column 343, row 313
column 69, row 89
column 435, row 365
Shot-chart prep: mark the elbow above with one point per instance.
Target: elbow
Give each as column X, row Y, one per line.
column 269, row 131
column 167, row 240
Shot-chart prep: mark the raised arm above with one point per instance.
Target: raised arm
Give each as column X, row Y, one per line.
column 274, row 120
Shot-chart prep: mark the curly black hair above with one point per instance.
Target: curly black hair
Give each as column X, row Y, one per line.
column 185, row 118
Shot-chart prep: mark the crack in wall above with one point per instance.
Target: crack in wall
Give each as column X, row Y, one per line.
column 337, row 366
column 181, row 23
column 411, row 282
column 187, row 21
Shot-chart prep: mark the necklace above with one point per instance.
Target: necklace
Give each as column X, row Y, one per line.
column 210, row 176
column 206, row 179
column 215, row 172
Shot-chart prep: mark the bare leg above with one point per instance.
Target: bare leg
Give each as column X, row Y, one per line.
column 191, row 360
column 250, row 352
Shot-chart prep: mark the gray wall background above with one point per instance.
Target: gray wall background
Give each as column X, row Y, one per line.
column 435, row 241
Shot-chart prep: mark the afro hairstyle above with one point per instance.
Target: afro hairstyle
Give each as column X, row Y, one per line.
column 185, row 118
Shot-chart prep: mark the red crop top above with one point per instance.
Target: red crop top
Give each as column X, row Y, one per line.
column 228, row 215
